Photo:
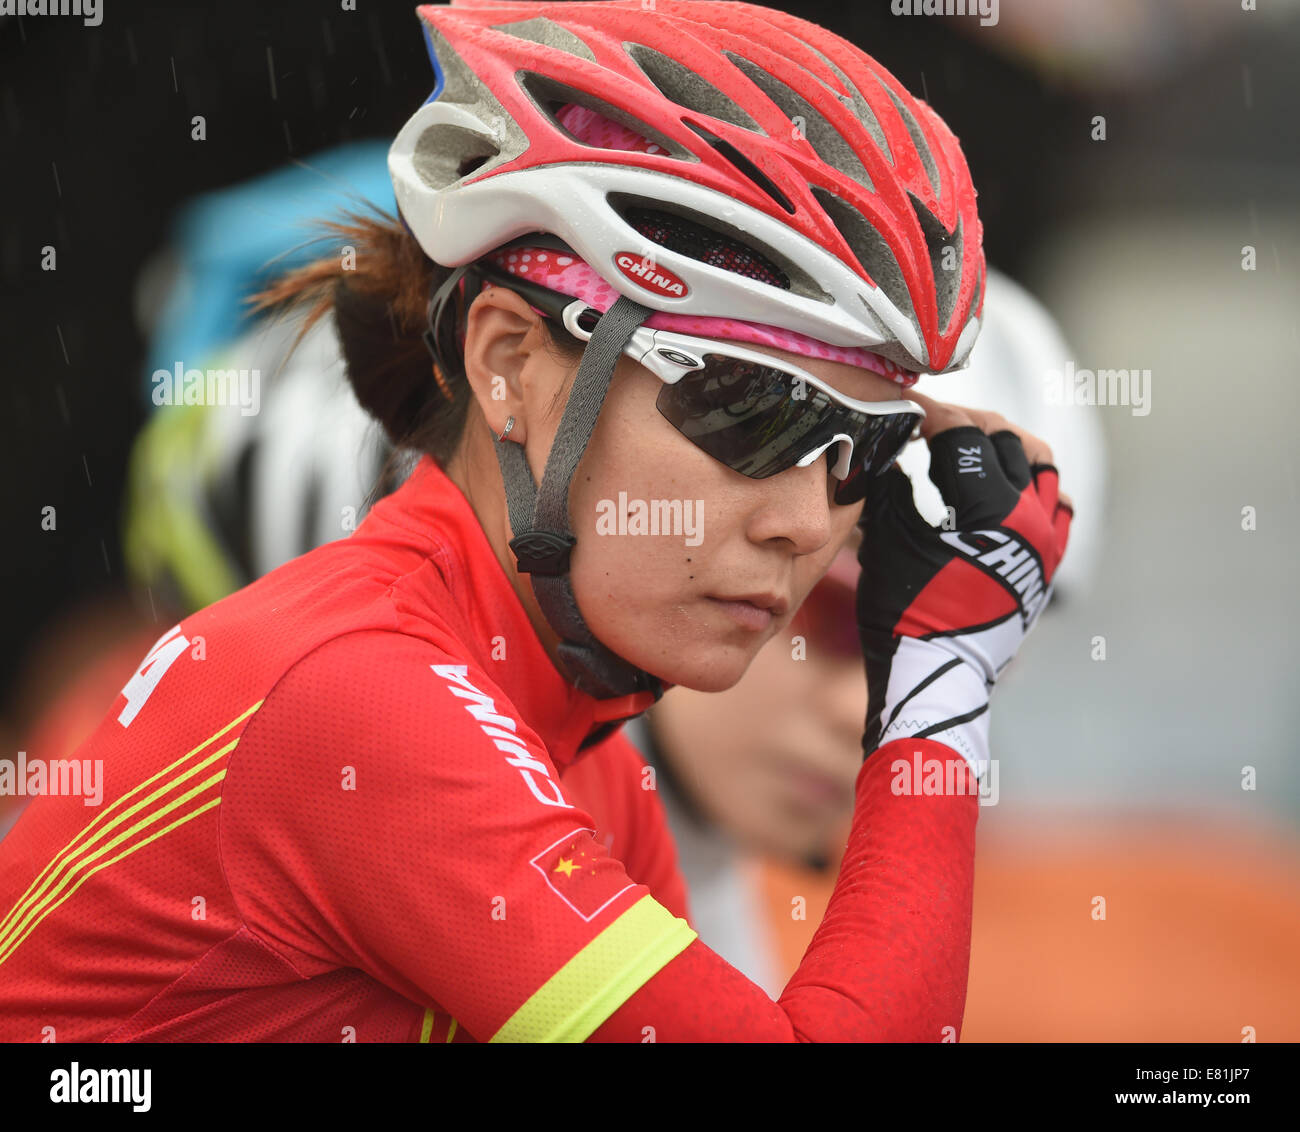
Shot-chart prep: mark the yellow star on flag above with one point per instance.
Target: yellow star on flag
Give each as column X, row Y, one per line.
column 566, row 866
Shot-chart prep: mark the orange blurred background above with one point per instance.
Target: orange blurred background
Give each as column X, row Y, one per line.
column 1201, row 936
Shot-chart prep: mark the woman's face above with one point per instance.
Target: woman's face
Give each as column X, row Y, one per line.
column 733, row 557
column 694, row 603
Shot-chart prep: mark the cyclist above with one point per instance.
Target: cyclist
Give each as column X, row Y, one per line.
column 691, row 254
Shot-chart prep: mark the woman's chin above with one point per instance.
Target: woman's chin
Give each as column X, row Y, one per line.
column 706, row 682
column 708, row 672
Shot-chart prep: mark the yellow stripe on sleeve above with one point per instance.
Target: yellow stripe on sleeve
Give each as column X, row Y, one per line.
column 582, row 994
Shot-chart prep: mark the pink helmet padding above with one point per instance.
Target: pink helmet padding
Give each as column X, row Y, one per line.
column 569, row 275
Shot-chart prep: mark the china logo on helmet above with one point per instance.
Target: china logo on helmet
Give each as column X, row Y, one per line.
column 644, row 271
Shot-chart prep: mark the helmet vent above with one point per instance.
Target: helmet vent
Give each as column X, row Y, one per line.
column 551, row 96
column 747, row 167
column 859, row 105
column 685, row 237
column 445, row 153
column 918, row 139
column 683, row 86
column 945, row 259
column 827, row 142
column 709, row 232
column 549, row 34
column 870, row 248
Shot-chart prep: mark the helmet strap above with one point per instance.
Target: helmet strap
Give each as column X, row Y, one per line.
column 539, row 516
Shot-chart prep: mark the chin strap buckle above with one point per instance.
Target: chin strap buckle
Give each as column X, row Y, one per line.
column 542, row 552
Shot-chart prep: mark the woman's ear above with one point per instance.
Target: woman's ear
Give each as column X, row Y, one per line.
column 502, row 333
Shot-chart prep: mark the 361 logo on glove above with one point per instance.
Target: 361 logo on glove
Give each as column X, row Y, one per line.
column 942, row 612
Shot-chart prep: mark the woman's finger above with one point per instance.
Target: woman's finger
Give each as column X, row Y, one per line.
column 1012, row 455
column 939, row 415
column 942, row 415
column 1037, row 450
column 1047, row 482
column 1061, row 529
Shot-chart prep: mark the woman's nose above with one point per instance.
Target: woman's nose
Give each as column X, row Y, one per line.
column 795, row 505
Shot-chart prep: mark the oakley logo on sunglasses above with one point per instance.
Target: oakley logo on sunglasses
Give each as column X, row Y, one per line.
column 680, row 359
column 650, row 275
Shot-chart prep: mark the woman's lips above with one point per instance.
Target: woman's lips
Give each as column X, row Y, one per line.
column 744, row 613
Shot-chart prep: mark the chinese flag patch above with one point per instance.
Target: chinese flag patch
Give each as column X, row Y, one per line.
column 581, row 873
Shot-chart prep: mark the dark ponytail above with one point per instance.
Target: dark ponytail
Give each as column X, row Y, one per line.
column 380, row 311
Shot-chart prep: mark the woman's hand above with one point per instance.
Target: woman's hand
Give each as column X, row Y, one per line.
column 940, row 416
column 943, row 610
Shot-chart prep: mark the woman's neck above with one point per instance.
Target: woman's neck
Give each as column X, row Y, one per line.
column 474, row 469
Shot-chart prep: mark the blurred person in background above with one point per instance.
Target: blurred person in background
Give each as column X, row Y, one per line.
column 216, row 497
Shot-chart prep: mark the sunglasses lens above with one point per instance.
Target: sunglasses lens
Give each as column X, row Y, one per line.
column 759, row 420
column 873, row 453
column 747, row 415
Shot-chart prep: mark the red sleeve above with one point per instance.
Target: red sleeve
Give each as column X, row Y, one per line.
column 630, row 821
column 891, row 958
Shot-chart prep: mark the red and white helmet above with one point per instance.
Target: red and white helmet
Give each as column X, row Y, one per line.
column 785, row 178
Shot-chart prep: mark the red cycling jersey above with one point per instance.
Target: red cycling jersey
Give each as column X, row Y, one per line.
column 356, row 801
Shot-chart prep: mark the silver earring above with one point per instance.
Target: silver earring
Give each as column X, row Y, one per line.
column 506, row 431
